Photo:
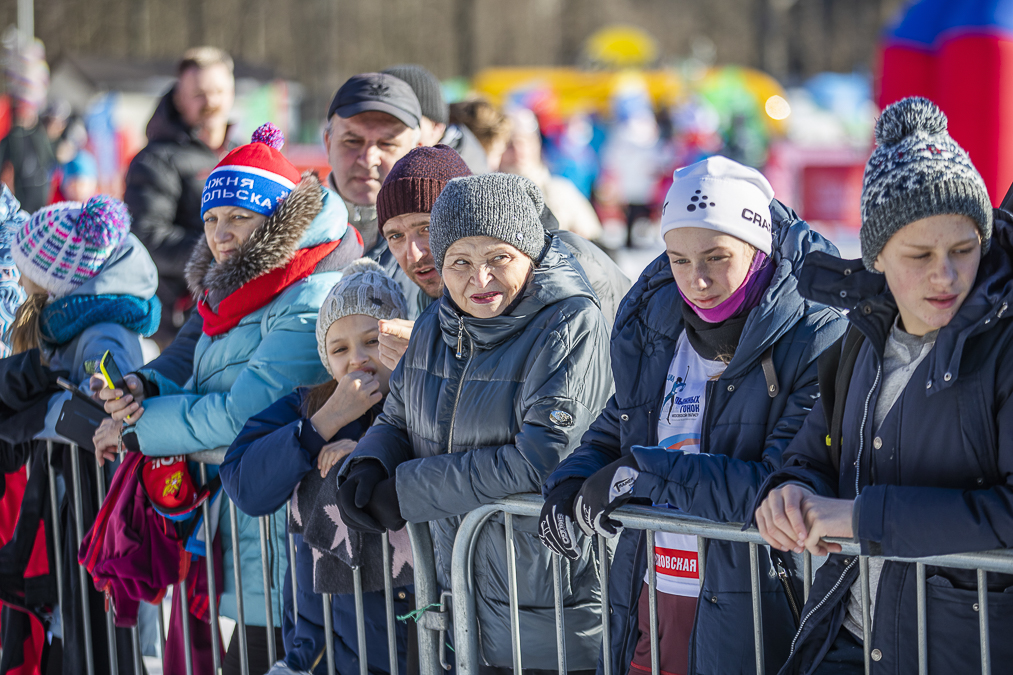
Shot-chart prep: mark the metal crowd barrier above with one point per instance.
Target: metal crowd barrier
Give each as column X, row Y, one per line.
column 466, row 633
column 433, row 617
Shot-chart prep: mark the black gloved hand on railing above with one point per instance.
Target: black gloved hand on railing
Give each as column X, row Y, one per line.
column 555, row 524
column 605, row 491
column 384, row 506
column 355, row 492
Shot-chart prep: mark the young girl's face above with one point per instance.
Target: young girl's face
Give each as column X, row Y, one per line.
column 930, row 266
column 708, row 266
column 353, row 344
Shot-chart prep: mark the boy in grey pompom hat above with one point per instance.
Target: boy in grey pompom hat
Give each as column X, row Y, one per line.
column 917, row 171
column 498, row 205
column 365, row 288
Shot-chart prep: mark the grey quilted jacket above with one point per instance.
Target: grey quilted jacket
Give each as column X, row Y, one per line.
column 480, row 409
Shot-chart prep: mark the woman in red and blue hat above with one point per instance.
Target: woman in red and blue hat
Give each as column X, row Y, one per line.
column 275, row 244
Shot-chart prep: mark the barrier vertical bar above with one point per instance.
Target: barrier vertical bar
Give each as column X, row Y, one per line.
column 701, row 558
column 216, row 656
column 426, row 593
column 863, row 571
column 360, row 620
column 515, row 614
column 754, row 578
column 557, row 593
column 986, row 655
column 328, row 631
column 923, row 645
column 603, row 574
column 652, row 602
column 388, row 597
column 807, row 573
column 54, row 505
column 292, row 567
column 266, row 567
column 135, row 641
column 184, row 602
column 161, row 631
column 244, row 655
column 75, row 469
column 100, row 483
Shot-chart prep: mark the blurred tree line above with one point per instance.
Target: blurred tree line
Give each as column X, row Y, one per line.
column 321, row 42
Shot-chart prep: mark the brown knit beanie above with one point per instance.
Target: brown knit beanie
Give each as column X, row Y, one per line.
column 417, row 179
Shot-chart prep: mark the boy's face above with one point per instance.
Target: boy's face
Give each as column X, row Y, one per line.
column 353, row 345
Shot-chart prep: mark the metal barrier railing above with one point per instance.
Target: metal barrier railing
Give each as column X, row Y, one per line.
column 433, row 622
column 466, row 629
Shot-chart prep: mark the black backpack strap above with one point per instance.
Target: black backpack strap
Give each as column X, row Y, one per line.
column 834, row 370
column 769, row 372
column 1007, row 202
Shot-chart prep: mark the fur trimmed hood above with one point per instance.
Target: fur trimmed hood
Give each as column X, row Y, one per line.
column 294, row 225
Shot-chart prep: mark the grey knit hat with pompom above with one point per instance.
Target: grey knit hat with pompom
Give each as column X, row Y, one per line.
column 364, row 289
column 917, row 171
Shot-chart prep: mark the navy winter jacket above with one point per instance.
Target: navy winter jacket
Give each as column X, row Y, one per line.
column 745, row 432
column 272, row 453
column 935, row 478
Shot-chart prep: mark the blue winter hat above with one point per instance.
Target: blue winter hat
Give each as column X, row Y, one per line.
column 82, row 166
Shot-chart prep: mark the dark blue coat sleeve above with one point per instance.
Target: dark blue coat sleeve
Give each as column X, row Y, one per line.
column 600, row 445
column 176, row 362
column 273, row 452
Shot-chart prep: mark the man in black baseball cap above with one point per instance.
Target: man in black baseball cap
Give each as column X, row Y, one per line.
column 372, row 122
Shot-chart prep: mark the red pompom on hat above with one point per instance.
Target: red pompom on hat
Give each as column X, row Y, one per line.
column 256, row 176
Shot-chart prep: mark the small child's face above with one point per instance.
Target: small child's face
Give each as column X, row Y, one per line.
column 353, row 344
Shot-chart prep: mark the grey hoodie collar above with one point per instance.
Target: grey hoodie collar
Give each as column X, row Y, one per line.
column 128, row 271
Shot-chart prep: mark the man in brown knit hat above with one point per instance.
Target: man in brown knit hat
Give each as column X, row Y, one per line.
column 403, row 206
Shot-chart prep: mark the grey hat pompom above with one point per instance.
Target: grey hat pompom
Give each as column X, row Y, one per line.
column 916, row 171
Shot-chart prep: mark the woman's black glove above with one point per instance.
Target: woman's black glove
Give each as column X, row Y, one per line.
column 355, row 492
column 384, row 506
column 555, row 524
column 605, row 491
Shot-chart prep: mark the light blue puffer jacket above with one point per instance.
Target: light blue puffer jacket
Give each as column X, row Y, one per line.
column 237, row 374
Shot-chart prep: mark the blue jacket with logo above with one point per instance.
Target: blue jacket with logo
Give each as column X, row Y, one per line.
column 745, row 432
column 935, row 478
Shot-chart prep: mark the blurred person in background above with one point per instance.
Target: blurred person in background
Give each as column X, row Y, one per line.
column 523, row 156
column 26, row 153
column 186, row 138
column 79, row 178
column 437, row 126
column 489, row 125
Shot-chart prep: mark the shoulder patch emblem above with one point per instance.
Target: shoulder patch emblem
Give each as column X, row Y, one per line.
column 561, row 418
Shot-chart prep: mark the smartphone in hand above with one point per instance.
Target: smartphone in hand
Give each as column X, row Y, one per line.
column 111, row 372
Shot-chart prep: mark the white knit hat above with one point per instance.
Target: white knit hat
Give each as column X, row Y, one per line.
column 721, row 195
column 364, row 289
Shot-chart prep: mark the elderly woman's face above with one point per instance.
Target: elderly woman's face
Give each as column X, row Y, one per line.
column 484, row 275
column 227, row 227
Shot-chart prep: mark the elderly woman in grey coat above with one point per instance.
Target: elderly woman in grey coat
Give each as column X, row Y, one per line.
column 501, row 378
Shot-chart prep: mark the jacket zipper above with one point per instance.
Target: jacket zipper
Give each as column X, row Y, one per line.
column 460, row 336
column 820, row 604
column 861, row 434
column 782, row 574
column 457, row 397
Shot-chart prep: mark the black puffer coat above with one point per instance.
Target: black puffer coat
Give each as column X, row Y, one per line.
column 163, row 191
column 465, row 426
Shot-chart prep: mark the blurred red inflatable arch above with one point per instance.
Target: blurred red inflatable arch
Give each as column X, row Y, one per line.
column 959, row 55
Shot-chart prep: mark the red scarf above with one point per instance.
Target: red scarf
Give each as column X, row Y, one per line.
column 256, row 293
